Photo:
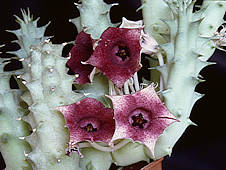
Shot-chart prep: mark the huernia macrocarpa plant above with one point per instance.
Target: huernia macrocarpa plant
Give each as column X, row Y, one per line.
column 112, row 115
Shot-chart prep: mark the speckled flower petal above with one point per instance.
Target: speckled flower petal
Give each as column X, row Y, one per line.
column 88, row 119
column 141, row 116
column 117, row 54
column 81, row 52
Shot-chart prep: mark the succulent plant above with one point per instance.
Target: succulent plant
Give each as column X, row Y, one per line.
column 113, row 115
column 47, row 91
column 94, row 17
column 12, row 128
column 187, row 52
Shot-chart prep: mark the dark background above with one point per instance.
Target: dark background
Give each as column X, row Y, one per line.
column 200, row 148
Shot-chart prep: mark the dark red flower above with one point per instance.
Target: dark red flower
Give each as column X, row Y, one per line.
column 88, row 119
column 81, row 52
column 141, row 116
column 117, row 54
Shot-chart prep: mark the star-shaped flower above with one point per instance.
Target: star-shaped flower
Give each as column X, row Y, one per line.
column 81, row 52
column 88, row 119
column 141, row 116
column 118, row 54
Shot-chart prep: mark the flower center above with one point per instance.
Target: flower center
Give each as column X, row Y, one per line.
column 89, row 124
column 89, row 128
column 123, row 52
column 138, row 120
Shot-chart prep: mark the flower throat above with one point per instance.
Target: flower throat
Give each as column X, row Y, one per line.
column 123, row 52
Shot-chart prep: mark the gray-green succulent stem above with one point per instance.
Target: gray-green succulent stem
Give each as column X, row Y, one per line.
column 131, row 85
column 12, row 128
column 47, row 91
column 28, row 34
column 136, row 81
column 187, row 52
column 154, row 14
column 161, row 63
column 94, row 17
column 112, row 89
column 13, row 142
column 130, row 153
column 154, row 11
column 47, row 124
column 126, row 87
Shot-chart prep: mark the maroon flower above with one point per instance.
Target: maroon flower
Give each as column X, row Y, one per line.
column 117, row 54
column 88, row 119
column 141, row 116
column 81, row 52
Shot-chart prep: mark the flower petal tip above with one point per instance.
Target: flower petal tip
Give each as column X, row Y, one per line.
column 131, row 24
column 149, row 45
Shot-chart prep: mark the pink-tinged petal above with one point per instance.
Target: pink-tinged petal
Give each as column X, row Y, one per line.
column 149, row 45
column 88, row 119
column 81, row 52
column 117, row 54
column 141, row 116
column 131, row 24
